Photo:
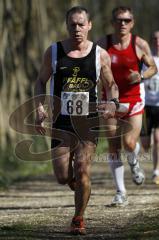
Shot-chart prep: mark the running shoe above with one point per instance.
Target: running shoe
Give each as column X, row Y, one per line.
column 155, row 179
column 119, row 200
column 138, row 175
column 78, row 226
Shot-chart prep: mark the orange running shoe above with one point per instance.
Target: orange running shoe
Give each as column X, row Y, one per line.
column 78, row 226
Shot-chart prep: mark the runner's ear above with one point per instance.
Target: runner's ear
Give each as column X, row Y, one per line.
column 90, row 25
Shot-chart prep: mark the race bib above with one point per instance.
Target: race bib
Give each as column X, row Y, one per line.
column 153, row 84
column 75, row 103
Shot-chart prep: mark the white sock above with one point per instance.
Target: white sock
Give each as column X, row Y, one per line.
column 132, row 156
column 117, row 169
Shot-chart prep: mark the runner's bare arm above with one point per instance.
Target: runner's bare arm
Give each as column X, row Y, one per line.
column 44, row 74
column 109, row 107
column 106, row 76
column 144, row 52
column 40, row 89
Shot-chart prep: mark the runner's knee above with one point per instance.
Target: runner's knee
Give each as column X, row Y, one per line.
column 62, row 180
column 61, row 176
column 130, row 144
column 83, row 178
column 82, row 171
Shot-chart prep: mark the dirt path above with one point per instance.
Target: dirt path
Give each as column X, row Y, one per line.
column 42, row 209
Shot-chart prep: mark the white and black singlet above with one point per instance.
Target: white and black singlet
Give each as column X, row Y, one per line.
column 75, row 86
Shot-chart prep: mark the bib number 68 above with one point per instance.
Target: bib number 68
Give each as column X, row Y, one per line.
column 75, row 103
column 74, row 106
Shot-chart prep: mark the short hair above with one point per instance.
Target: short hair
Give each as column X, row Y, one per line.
column 121, row 9
column 77, row 9
column 152, row 35
column 152, row 39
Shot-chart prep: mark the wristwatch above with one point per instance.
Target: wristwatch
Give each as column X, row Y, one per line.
column 116, row 101
column 142, row 77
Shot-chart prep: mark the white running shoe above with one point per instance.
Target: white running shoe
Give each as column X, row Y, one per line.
column 138, row 175
column 119, row 200
column 155, row 179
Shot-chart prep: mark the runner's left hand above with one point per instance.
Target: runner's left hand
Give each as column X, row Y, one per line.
column 134, row 77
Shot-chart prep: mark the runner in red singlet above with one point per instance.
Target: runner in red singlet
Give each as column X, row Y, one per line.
column 127, row 53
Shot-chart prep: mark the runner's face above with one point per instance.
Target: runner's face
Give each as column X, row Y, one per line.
column 78, row 26
column 123, row 23
column 156, row 40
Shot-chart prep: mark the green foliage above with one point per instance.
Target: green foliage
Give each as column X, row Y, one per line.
column 13, row 169
column 101, row 146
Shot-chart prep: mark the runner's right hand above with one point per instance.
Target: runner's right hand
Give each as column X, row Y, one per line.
column 41, row 114
column 107, row 109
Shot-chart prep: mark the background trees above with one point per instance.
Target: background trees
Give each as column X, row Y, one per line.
column 27, row 27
